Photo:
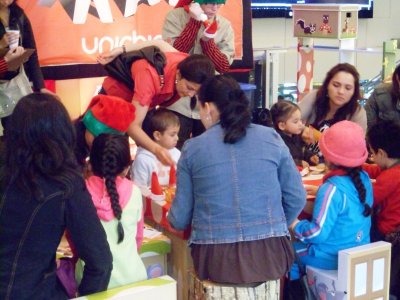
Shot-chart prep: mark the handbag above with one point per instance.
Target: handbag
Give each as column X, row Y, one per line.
column 298, row 289
column 66, row 276
column 11, row 91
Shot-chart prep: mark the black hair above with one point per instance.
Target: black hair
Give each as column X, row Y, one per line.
column 395, row 91
column 81, row 149
column 354, row 174
column 322, row 101
column 109, row 157
column 162, row 119
column 281, row 111
column 385, row 135
column 232, row 104
column 16, row 13
column 39, row 145
column 196, row 68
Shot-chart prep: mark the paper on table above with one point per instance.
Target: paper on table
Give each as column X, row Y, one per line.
column 305, row 171
column 150, row 233
column 313, row 177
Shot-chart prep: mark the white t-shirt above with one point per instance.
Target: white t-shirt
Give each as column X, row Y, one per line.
column 146, row 163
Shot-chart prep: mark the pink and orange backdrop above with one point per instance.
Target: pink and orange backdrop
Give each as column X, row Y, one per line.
column 76, row 31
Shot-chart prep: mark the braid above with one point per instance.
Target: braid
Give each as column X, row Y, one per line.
column 109, row 166
column 354, row 174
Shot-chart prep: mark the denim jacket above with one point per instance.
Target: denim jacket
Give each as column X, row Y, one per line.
column 250, row 190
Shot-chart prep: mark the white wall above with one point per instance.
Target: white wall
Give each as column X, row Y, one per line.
column 278, row 32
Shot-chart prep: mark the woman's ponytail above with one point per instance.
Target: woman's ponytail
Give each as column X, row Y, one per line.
column 232, row 104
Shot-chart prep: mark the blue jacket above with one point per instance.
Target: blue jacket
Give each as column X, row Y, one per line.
column 228, row 193
column 338, row 222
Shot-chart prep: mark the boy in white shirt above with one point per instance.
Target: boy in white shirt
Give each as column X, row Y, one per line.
column 164, row 127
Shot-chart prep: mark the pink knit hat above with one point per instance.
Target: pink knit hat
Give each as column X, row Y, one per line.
column 344, row 144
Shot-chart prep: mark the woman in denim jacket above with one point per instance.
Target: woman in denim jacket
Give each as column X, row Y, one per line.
column 43, row 194
column 239, row 189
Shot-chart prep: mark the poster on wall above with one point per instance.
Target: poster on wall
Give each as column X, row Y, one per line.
column 75, row 32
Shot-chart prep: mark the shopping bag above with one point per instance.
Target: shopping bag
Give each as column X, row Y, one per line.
column 11, row 91
column 66, row 276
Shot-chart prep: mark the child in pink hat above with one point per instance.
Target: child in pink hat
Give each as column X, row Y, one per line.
column 342, row 210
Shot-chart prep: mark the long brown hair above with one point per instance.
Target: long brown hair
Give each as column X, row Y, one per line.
column 322, row 102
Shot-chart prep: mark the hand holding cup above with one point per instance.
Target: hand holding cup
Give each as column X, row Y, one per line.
column 13, row 38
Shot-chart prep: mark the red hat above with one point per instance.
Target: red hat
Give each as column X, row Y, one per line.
column 108, row 114
column 182, row 3
column 344, row 144
column 172, row 176
column 156, row 190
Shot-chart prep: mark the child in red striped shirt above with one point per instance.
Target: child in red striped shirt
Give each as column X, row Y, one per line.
column 384, row 143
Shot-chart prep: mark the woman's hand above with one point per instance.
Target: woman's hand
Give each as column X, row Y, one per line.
column 107, row 57
column 46, row 91
column 11, row 56
column 163, row 156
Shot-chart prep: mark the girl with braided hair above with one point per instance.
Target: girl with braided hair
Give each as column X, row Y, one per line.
column 342, row 210
column 119, row 206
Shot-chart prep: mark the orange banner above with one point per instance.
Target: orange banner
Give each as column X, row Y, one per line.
column 76, row 31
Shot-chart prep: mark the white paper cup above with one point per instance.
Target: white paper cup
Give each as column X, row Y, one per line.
column 13, row 38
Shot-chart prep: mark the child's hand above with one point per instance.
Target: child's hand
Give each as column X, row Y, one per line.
column 293, row 225
column 304, row 164
column 311, row 189
column 309, row 207
column 310, row 135
column 307, row 135
column 314, row 159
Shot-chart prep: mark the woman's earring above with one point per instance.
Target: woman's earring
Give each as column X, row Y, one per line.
column 176, row 80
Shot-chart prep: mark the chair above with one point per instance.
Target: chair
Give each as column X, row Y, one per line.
column 363, row 273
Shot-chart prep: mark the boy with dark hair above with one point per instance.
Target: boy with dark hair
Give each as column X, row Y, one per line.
column 384, row 142
column 164, row 128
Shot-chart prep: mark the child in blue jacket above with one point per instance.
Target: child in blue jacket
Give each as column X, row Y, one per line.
column 342, row 210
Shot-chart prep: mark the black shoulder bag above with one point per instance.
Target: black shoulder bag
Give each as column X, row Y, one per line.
column 120, row 67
